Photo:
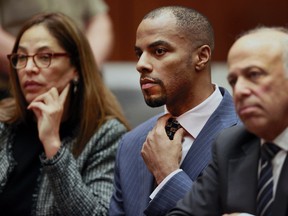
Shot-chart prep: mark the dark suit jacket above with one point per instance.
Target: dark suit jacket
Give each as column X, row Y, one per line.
column 229, row 183
column 133, row 181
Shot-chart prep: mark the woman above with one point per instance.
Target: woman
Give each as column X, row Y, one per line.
column 65, row 116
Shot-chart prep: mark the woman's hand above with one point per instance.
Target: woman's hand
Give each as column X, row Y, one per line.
column 48, row 109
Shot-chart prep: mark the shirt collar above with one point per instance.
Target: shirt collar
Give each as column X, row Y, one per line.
column 194, row 119
column 281, row 140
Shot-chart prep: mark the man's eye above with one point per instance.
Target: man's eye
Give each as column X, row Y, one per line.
column 232, row 81
column 138, row 54
column 254, row 75
column 160, row 51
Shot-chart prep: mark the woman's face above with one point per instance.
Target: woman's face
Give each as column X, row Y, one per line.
column 35, row 80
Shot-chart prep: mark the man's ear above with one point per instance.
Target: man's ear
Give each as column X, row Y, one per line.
column 203, row 57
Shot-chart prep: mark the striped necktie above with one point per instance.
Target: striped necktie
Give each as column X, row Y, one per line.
column 171, row 127
column 265, row 182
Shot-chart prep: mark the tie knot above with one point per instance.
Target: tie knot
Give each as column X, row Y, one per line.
column 171, row 127
column 269, row 150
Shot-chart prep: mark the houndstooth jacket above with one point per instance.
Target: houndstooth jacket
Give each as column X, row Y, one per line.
column 69, row 186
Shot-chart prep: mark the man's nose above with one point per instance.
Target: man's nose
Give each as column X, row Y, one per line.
column 241, row 88
column 143, row 64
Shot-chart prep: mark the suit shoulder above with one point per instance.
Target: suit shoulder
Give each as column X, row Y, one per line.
column 234, row 136
column 235, row 132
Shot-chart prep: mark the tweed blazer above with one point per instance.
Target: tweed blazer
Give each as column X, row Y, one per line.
column 69, row 186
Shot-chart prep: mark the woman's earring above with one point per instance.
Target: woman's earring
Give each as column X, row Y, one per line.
column 75, row 83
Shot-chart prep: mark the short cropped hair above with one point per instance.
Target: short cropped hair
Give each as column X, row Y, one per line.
column 195, row 25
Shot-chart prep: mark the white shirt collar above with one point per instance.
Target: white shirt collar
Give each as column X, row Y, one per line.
column 194, row 120
column 282, row 140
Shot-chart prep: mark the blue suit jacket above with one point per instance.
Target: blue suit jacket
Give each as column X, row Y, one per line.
column 133, row 181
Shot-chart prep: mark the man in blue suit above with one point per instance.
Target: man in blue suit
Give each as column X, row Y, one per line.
column 174, row 45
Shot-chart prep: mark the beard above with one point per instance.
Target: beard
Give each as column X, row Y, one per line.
column 155, row 102
column 155, row 99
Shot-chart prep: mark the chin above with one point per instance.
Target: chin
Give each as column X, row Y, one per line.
column 29, row 99
column 30, row 96
column 256, row 126
column 154, row 102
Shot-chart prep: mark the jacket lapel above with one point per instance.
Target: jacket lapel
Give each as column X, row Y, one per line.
column 242, row 178
column 145, row 177
column 7, row 162
column 199, row 155
column 145, row 187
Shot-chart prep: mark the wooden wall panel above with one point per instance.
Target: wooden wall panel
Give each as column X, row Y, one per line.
column 229, row 18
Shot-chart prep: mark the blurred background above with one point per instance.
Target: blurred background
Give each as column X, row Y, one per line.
column 229, row 19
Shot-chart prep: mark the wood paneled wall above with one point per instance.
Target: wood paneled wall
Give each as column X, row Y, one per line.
column 228, row 17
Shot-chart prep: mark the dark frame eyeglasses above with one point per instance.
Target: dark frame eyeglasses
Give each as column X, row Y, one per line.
column 41, row 60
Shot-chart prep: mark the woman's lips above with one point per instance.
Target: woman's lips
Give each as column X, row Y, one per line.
column 32, row 85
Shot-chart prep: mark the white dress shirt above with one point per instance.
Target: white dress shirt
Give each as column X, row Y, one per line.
column 193, row 121
column 278, row 160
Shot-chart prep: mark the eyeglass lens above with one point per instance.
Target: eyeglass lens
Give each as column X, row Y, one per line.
column 40, row 59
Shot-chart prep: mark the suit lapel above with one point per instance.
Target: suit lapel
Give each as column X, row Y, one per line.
column 145, row 177
column 199, row 155
column 242, row 178
column 146, row 186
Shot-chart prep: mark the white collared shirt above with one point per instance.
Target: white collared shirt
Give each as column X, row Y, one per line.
column 278, row 160
column 193, row 121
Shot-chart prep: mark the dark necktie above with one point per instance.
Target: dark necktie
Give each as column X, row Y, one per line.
column 171, row 127
column 265, row 182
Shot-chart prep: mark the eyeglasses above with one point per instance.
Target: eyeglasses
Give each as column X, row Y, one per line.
column 41, row 60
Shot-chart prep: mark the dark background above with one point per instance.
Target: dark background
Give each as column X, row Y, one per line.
column 228, row 17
